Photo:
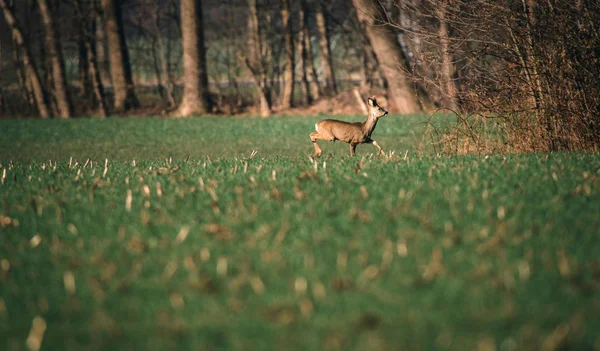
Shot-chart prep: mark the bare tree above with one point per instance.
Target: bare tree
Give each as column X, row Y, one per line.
column 85, row 91
column 369, row 69
column 96, row 81
column 315, row 88
column 100, row 46
column 288, row 77
column 448, row 86
column 195, row 89
column 401, row 96
column 326, row 59
column 303, row 57
column 27, row 60
column 21, row 73
column 87, row 18
column 84, row 81
column 516, row 60
column 153, row 23
column 163, row 72
column 232, row 62
column 119, row 57
column 52, row 40
column 259, row 55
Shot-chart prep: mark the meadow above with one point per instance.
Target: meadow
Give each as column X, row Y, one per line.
column 221, row 233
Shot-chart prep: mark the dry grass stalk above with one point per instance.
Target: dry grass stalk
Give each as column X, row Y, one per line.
column 182, row 235
column 128, row 200
column 36, row 334
column 69, row 282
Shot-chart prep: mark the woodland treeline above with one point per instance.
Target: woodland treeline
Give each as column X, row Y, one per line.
column 530, row 66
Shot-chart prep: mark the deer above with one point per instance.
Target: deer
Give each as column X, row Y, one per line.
column 353, row 133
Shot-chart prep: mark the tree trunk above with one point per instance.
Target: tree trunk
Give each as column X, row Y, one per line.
column 302, row 58
column 369, row 68
column 256, row 59
column 100, row 47
column 366, row 79
column 84, row 81
column 87, row 19
column 401, row 96
column 528, row 6
column 27, row 61
column 448, row 86
column 156, row 65
column 45, row 73
column 195, row 85
column 326, row 59
column 61, row 90
column 315, row 89
column 22, row 75
column 232, row 68
column 288, row 76
column 163, row 66
column 119, row 57
column 87, row 91
column 171, row 66
column 96, row 81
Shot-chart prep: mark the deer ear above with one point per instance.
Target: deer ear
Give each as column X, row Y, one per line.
column 372, row 102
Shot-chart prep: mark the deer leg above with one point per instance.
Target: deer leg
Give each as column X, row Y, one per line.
column 352, row 149
column 374, row 142
column 313, row 137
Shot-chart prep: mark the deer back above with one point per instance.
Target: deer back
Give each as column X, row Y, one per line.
column 339, row 130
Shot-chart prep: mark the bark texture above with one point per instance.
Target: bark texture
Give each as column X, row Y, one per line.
column 330, row 87
column 401, row 96
column 315, row 88
column 87, row 17
column 448, row 86
column 96, row 81
column 303, row 58
column 83, row 67
column 258, row 55
column 52, row 40
column 195, row 88
column 288, row 76
column 28, row 63
column 100, row 48
column 166, row 88
column 120, row 67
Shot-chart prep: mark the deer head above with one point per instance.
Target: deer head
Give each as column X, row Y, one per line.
column 374, row 109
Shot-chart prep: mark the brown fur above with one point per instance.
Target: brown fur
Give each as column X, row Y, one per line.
column 353, row 133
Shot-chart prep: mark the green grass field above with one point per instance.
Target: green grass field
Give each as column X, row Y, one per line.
column 215, row 137
column 222, row 250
